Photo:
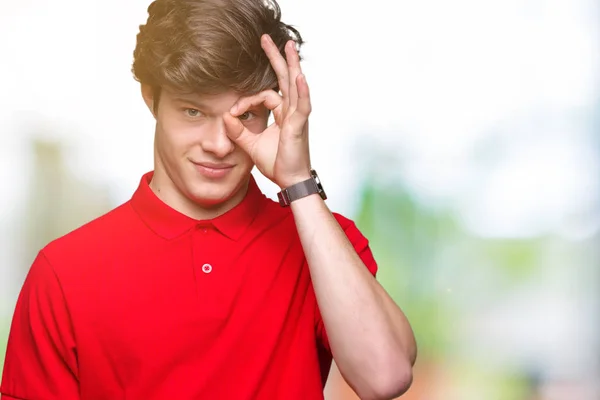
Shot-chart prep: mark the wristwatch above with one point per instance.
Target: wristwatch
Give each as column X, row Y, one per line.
column 302, row 189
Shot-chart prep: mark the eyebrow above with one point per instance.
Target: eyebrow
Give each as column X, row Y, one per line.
column 205, row 106
column 197, row 104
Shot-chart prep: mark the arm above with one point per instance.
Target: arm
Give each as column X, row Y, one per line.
column 369, row 336
column 371, row 340
column 40, row 360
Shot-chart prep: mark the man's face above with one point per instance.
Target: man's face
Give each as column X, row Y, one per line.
column 193, row 150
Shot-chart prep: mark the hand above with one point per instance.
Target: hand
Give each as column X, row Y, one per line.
column 281, row 151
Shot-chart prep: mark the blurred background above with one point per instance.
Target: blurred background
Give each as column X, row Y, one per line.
column 463, row 137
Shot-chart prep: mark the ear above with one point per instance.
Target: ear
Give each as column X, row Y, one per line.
column 148, row 95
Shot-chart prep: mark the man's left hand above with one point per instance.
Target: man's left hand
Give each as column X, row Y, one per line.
column 281, row 151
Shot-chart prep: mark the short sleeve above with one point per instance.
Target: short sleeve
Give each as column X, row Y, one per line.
column 361, row 245
column 41, row 360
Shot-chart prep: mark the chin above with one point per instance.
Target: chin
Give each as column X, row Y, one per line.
column 210, row 198
column 211, row 194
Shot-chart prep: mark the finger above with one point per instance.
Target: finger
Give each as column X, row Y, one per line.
column 269, row 98
column 294, row 70
column 238, row 133
column 299, row 118
column 278, row 63
column 304, row 106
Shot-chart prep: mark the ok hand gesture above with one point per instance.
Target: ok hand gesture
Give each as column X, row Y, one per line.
column 281, row 151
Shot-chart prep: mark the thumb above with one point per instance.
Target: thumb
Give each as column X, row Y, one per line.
column 237, row 132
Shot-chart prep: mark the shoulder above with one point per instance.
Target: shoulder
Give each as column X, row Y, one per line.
column 281, row 221
column 272, row 214
column 354, row 234
column 271, row 210
column 92, row 237
column 345, row 222
column 359, row 241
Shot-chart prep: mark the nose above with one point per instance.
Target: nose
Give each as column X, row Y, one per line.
column 216, row 140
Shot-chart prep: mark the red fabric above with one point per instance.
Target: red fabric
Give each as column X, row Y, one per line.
column 146, row 303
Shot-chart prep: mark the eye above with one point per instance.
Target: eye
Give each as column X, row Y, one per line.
column 248, row 115
column 191, row 112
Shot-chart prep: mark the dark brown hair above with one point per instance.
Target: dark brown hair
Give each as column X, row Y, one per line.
column 209, row 46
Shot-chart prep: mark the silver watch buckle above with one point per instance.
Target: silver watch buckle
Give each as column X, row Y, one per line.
column 284, row 198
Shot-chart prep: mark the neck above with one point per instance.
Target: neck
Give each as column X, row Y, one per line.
column 168, row 193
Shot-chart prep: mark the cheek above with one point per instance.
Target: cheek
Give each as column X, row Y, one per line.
column 175, row 137
column 244, row 158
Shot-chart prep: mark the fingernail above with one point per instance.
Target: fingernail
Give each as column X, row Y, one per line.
column 233, row 110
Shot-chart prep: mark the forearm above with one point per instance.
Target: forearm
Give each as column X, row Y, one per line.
column 370, row 338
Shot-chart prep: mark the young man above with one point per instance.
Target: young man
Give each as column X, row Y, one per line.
column 200, row 287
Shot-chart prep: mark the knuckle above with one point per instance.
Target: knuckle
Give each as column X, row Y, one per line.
column 303, row 112
column 271, row 95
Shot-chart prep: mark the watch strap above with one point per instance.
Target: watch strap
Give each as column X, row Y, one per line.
column 300, row 190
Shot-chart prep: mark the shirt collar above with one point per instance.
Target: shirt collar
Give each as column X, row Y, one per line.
column 170, row 223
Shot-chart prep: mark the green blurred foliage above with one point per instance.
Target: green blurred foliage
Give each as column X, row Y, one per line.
column 405, row 238
column 517, row 259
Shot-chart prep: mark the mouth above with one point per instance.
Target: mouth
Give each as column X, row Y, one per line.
column 213, row 170
column 210, row 165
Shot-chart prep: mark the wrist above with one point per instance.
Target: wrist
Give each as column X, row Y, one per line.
column 293, row 180
column 310, row 199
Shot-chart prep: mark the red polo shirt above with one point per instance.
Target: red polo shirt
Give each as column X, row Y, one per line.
column 146, row 303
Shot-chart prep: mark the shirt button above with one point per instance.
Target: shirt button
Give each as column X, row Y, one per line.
column 207, row 268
